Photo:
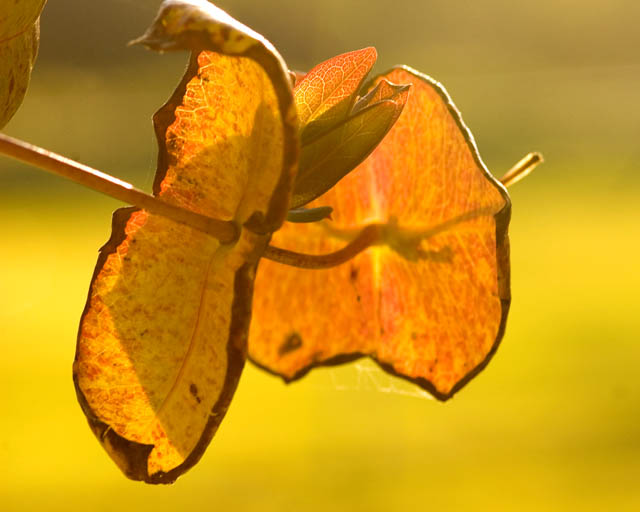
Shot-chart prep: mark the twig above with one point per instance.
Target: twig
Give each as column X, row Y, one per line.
column 225, row 231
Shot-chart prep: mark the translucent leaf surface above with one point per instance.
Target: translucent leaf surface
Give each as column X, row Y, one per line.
column 162, row 340
column 430, row 303
column 328, row 158
column 19, row 37
column 326, row 94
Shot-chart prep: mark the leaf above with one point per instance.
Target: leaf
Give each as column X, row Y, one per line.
column 309, row 214
column 430, row 303
column 326, row 94
column 338, row 131
column 162, row 340
column 19, row 38
column 327, row 159
column 381, row 91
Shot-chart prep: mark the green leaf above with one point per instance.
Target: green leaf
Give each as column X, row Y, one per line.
column 304, row 215
column 330, row 157
column 326, row 95
column 383, row 90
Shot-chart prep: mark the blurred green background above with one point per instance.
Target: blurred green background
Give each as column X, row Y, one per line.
column 553, row 423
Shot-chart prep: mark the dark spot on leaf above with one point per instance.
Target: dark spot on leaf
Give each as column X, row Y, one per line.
column 358, row 298
column 353, row 275
column 194, row 391
column 293, row 342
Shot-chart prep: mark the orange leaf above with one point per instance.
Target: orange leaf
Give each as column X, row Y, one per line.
column 430, row 303
column 326, row 94
column 162, row 340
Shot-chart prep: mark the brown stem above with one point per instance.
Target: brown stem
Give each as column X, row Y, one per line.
column 225, row 231
column 521, row 169
column 375, row 233
column 370, row 235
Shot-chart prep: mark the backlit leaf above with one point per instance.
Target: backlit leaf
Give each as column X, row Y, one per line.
column 327, row 159
column 162, row 340
column 326, row 94
column 430, row 304
column 19, row 37
column 381, row 91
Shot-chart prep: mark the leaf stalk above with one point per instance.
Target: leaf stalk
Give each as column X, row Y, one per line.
column 522, row 169
column 225, row 231
column 374, row 234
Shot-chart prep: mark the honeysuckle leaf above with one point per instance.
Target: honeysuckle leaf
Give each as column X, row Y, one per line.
column 326, row 94
column 309, row 214
column 162, row 340
column 19, row 39
column 381, row 91
column 430, row 302
column 328, row 158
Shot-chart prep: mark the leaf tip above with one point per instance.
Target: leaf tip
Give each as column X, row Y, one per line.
column 372, row 50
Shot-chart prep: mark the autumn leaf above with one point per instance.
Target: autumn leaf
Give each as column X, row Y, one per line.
column 429, row 302
column 162, row 340
column 19, row 38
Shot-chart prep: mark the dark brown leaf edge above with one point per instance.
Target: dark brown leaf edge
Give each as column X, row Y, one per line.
column 132, row 457
column 502, row 219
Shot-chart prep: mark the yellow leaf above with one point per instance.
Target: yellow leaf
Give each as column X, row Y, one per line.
column 162, row 340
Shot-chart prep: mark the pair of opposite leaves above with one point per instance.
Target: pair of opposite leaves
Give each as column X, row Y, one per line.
column 166, row 328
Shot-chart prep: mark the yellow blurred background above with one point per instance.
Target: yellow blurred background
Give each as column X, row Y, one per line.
column 553, row 423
